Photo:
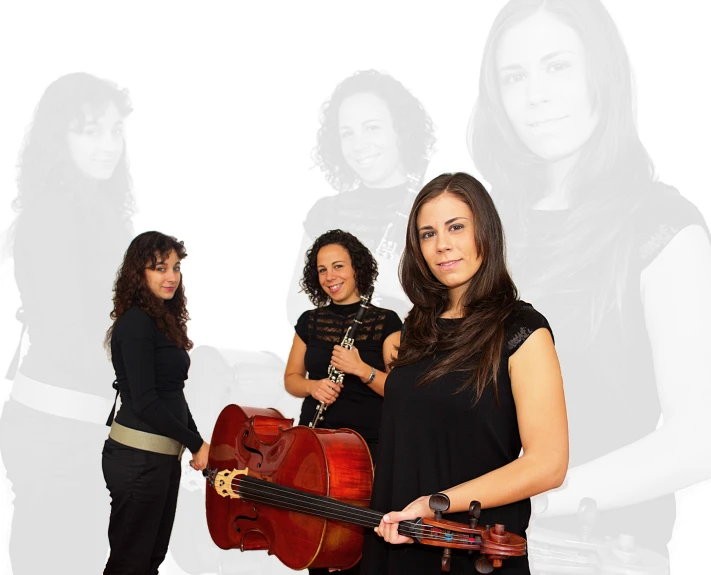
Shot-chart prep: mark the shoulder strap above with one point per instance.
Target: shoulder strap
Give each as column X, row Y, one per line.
column 15, row 363
column 110, row 420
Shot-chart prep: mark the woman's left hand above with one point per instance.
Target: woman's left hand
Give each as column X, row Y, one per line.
column 348, row 361
column 390, row 522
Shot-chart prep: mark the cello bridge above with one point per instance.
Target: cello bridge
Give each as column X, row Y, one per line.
column 224, row 482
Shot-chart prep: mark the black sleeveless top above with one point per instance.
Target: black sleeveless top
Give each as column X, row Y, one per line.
column 433, row 438
column 366, row 213
column 358, row 407
column 610, row 374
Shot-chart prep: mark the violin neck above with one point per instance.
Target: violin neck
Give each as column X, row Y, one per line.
column 260, row 491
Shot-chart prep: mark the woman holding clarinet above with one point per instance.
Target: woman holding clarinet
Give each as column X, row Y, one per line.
column 339, row 274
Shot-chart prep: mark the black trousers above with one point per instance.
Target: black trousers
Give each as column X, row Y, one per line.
column 144, row 493
column 53, row 464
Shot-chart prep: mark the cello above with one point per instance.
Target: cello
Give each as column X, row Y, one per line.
column 302, row 494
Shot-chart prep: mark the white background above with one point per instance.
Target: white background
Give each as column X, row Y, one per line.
column 226, row 99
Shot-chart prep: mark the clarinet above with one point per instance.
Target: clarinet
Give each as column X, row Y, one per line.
column 390, row 246
column 335, row 375
column 392, row 243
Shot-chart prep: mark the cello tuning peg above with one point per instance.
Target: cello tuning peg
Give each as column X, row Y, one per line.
column 474, row 513
column 439, row 503
column 483, row 565
column 446, row 562
column 587, row 513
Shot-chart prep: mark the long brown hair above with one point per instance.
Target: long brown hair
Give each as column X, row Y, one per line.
column 489, row 299
column 171, row 316
column 613, row 176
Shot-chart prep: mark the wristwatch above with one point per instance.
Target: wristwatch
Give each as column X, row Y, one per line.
column 372, row 376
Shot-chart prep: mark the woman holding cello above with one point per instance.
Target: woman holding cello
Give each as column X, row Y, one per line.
column 476, row 380
column 338, row 270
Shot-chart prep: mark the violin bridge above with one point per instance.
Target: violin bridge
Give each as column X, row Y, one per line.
column 224, row 482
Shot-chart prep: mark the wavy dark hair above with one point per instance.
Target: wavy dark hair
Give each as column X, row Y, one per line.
column 363, row 262
column 490, row 297
column 45, row 165
column 171, row 315
column 411, row 122
column 609, row 181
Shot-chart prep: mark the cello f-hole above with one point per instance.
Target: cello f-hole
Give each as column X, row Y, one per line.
column 246, row 518
column 251, row 449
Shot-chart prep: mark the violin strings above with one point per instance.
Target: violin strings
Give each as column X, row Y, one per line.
column 350, row 513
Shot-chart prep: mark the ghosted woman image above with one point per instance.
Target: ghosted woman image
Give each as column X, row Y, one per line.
column 618, row 261
column 74, row 206
column 373, row 147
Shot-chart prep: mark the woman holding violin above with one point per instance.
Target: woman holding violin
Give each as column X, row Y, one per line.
column 338, row 270
column 476, row 380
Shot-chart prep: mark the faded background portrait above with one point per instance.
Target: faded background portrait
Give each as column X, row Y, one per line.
column 249, row 130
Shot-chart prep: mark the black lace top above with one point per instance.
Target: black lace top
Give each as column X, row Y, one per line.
column 433, row 438
column 358, row 407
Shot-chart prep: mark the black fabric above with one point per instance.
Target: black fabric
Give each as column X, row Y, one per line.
column 358, row 407
column 144, row 494
column 366, row 213
column 70, row 319
column 609, row 374
column 433, row 438
column 64, row 495
column 66, row 249
column 151, row 371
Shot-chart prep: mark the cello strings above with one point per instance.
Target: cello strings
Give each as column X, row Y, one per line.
column 352, row 514
column 404, row 529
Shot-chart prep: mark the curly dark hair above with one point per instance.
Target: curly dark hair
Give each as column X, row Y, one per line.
column 45, row 166
column 130, row 288
column 411, row 122
column 363, row 262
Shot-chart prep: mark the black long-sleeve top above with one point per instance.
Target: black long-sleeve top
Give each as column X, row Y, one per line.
column 151, row 371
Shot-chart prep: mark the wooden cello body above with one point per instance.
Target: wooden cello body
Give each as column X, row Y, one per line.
column 262, row 444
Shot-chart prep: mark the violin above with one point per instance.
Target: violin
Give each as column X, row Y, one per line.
column 302, row 494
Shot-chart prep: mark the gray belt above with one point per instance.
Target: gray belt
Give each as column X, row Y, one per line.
column 145, row 441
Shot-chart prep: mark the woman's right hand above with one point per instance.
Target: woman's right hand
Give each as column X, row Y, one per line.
column 199, row 460
column 324, row 390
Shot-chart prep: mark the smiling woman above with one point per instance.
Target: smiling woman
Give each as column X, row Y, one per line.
column 338, row 268
column 475, row 381
column 373, row 146
column 149, row 350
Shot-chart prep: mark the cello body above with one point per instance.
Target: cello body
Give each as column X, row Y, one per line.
column 330, row 463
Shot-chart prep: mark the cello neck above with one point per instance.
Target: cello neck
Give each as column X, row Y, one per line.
column 260, row 491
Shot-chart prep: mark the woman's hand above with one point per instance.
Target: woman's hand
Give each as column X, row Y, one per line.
column 324, row 390
column 199, row 460
column 390, row 522
column 349, row 361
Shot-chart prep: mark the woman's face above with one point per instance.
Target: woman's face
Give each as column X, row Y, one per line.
column 541, row 65
column 97, row 147
column 368, row 140
column 336, row 274
column 445, row 228
column 165, row 278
